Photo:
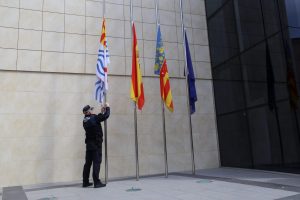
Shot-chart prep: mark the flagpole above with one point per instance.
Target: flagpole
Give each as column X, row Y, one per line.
column 135, row 112
column 187, row 90
column 136, row 144
column 162, row 106
column 105, row 122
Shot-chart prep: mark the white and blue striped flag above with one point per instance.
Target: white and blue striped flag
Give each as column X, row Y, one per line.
column 101, row 85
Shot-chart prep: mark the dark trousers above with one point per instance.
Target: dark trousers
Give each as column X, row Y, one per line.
column 92, row 157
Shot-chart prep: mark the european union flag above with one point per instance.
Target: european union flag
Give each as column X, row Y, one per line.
column 160, row 53
column 191, row 76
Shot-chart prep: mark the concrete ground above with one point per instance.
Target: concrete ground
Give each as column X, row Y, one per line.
column 221, row 184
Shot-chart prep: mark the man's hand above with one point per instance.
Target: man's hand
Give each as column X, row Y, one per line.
column 103, row 109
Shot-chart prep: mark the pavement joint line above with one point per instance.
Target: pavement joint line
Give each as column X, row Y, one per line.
column 292, row 197
column 245, row 182
column 264, row 171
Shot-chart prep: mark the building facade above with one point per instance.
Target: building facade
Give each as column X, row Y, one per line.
column 251, row 133
column 48, row 54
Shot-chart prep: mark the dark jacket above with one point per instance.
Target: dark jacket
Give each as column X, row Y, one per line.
column 93, row 129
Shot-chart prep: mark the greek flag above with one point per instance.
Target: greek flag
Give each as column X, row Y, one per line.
column 101, row 85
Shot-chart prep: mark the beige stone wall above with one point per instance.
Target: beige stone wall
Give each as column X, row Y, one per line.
column 48, row 52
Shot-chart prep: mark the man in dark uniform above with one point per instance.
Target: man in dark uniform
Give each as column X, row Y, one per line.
column 93, row 141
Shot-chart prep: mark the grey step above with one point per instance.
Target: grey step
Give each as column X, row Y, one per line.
column 13, row 193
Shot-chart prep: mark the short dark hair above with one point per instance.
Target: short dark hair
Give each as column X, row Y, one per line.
column 87, row 108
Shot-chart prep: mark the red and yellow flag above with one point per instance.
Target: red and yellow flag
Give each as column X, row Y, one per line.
column 165, row 88
column 103, row 34
column 162, row 69
column 137, row 88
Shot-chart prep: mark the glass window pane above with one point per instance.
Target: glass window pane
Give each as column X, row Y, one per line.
column 231, row 70
column 234, row 140
column 213, row 5
column 264, row 136
column 254, row 61
column 257, row 93
column 228, row 96
column 281, row 91
column 277, row 54
column 289, row 134
column 249, row 22
column 222, row 35
column 271, row 16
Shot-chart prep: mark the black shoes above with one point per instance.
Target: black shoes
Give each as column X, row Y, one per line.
column 99, row 185
column 86, row 184
column 96, row 185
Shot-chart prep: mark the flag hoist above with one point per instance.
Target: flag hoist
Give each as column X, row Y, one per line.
column 137, row 88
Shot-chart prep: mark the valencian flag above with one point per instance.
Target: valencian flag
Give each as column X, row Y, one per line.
column 101, row 85
column 191, row 76
column 137, row 88
column 291, row 81
column 270, row 80
column 161, row 69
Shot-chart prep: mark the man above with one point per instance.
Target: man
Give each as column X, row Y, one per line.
column 93, row 141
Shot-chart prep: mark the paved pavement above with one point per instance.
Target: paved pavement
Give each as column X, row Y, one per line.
column 253, row 175
column 214, row 184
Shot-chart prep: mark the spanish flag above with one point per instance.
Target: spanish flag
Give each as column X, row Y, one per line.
column 137, row 88
column 162, row 69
